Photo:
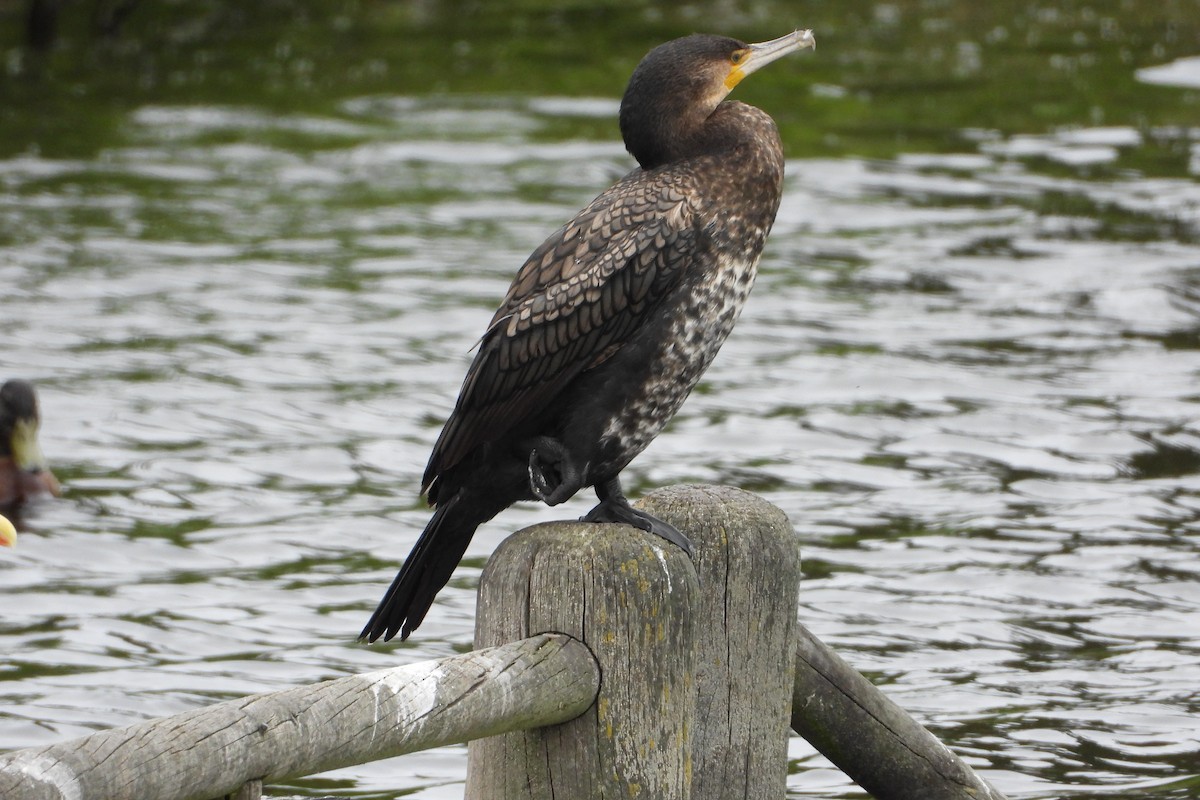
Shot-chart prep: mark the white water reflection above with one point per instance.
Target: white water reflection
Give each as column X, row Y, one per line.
column 1183, row 72
column 971, row 384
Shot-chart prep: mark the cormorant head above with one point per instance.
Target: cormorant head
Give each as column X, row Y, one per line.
column 679, row 84
column 19, row 421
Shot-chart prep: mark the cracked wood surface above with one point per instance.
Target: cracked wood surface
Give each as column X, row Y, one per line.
column 748, row 562
column 631, row 598
column 696, row 658
column 213, row 751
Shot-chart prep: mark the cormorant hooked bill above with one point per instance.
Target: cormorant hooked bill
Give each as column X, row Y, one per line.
column 612, row 320
column 23, row 471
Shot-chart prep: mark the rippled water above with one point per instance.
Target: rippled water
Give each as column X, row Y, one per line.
column 971, row 380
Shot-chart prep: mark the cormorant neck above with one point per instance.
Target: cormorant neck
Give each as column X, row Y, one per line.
column 664, row 138
column 659, row 132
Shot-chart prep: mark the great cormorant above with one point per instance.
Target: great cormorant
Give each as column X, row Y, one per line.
column 612, row 320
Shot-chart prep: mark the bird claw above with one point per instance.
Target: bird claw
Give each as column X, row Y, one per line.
column 611, row 511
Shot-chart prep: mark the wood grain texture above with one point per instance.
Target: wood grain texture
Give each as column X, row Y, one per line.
column 216, row 750
column 748, row 561
column 632, row 599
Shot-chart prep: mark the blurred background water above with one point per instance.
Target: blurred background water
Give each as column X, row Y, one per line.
column 245, row 250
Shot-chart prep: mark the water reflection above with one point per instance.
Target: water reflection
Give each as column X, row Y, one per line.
column 972, row 381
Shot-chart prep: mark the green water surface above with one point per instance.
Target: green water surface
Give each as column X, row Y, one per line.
column 887, row 77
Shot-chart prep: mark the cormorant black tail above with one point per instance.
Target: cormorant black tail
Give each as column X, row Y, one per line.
column 426, row 570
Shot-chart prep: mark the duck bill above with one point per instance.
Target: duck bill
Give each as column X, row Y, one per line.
column 27, row 455
column 764, row 53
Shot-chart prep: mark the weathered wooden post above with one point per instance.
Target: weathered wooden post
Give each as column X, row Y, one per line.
column 696, row 678
column 748, row 560
column 632, row 599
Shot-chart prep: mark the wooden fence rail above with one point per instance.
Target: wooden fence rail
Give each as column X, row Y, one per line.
column 869, row 737
column 213, row 751
column 608, row 666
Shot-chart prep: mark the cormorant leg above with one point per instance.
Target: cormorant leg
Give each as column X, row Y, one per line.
column 615, row 508
column 553, row 476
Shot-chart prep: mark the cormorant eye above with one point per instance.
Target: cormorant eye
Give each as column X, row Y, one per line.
column 739, row 56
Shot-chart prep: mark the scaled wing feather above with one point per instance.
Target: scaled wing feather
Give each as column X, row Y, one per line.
column 582, row 294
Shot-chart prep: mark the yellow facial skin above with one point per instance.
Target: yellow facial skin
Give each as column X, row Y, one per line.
column 750, row 59
column 736, row 73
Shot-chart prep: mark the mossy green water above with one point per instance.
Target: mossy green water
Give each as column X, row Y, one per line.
column 886, row 78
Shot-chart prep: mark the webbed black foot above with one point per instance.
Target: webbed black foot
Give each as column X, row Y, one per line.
column 614, row 507
column 553, row 476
